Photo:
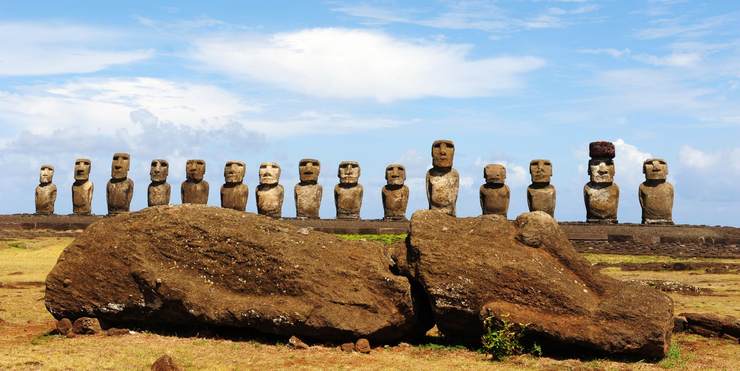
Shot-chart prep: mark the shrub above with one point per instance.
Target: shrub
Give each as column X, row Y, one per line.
column 502, row 339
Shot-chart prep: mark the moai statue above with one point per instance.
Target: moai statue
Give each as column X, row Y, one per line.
column 541, row 194
column 194, row 190
column 494, row 194
column 348, row 193
column 442, row 181
column 656, row 195
column 308, row 192
column 234, row 192
column 601, row 194
column 159, row 190
column 269, row 192
column 82, row 188
column 120, row 189
column 46, row 191
column 395, row 194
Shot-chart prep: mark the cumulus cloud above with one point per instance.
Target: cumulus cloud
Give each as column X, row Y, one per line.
column 57, row 48
column 347, row 63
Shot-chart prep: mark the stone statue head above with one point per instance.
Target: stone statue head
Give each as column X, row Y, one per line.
column 159, row 171
column 120, row 165
column 540, row 170
column 195, row 170
column 234, row 171
column 269, row 173
column 601, row 165
column 495, row 173
column 395, row 174
column 308, row 170
column 349, row 172
column 443, row 152
column 82, row 169
column 46, row 174
column 655, row 169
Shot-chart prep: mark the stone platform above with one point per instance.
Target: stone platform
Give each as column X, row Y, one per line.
column 636, row 239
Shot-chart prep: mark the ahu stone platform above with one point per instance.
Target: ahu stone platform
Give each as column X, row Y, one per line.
column 623, row 238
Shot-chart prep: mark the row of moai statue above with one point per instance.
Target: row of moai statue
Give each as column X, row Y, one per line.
column 601, row 194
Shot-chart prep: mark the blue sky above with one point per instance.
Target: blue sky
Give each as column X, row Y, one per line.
column 376, row 82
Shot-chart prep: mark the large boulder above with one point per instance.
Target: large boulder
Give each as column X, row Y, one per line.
column 196, row 266
column 527, row 272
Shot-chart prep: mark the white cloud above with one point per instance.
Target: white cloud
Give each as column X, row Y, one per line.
column 628, row 163
column 55, row 48
column 664, row 28
column 516, row 175
column 345, row 63
column 615, row 53
column 106, row 105
column 697, row 159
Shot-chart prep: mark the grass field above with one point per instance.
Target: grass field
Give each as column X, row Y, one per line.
column 24, row 324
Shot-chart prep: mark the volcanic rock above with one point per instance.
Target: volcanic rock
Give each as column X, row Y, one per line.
column 362, row 346
column 296, row 343
column 710, row 324
column 86, row 326
column 197, row 266
column 165, row 363
column 64, row 326
column 473, row 268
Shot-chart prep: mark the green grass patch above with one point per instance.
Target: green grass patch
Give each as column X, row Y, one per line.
column 384, row 238
column 673, row 359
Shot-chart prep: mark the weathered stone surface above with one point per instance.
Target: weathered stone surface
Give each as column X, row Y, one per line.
column 601, row 194
column 46, row 191
column 527, row 272
column 82, row 188
column 194, row 190
column 442, row 181
column 269, row 192
column 348, row 193
column 120, row 189
column 165, row 363
column 234, row 192
column 494, row 194
column 296, row 343
column 64, row 326
column 395, row 194
column 656, row 194
column 197, row 266
column 347, row 347
column 541, row 195
column 158, row 192
column 710, row 324
column 308, row 192
column 363, row 346
column 86, row 326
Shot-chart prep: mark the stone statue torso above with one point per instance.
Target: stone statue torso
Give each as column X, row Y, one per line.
column 234, row 196
column 158, row 194
column 657, row 203
column 601, row 202
column 119, row 195
column 541, row 199
column 270, row 200
column 46, row 195
column 348, row 201
column 494, row 200
column 308, row 200
column 442, row 187
column 82, row 195
column 194, row 193
column 395, row 201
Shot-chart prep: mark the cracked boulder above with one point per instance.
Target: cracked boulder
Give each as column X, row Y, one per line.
column 527, row 272
column 194, row 266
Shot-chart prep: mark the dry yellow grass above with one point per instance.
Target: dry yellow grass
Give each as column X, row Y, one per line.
column 24, row 345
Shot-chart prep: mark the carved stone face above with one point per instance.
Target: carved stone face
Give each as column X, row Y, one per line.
column 443, row 152
column 234, row 171
column 120, row 166
column 308, row 170
column 395, row 174
column 269, row 173
column 349, row 172
column 159, row 171
column 540, row 171
column 495, row 173
column 655, row 169
column 46, row 174
column 195, row 170
column 82, row 169
column 601, row 170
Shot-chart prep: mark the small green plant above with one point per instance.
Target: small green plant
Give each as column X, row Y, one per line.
column 502, row 338
column 536, row 350
column 435, row 346
column 384, row 238
column 673, row 359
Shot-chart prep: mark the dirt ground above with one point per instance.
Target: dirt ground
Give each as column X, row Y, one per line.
column 26, row 345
